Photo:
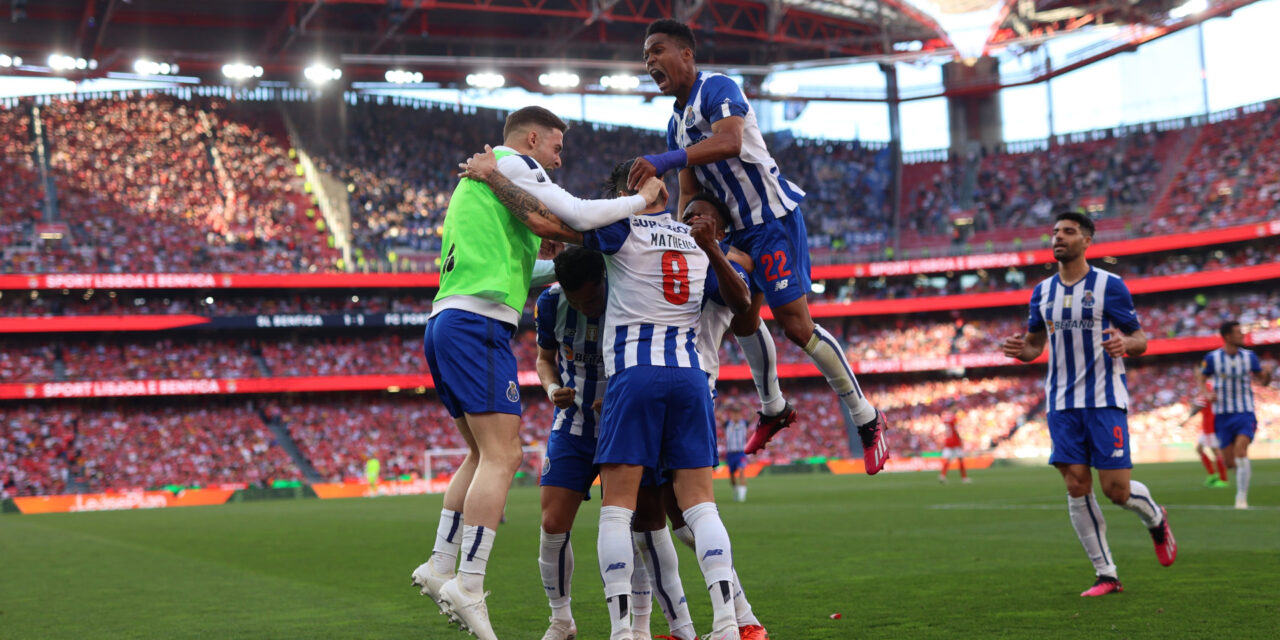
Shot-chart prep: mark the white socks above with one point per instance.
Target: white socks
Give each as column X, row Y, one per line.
column 477, row 542
column 829, row 357
column 762, row 357
column 1243, row 470
column 715, row 558
column 1091, row 528
column 1140, row 502
column 616, row 553
column 555, row 563
column 641, row 593
column 740, row 493
column 444, row 555
column 663, row 566
column 741, row 606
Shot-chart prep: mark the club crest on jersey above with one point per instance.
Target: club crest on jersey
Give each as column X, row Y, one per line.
column 546, row 465
column 513, row 392
column 1086, row 300
column 688, row 116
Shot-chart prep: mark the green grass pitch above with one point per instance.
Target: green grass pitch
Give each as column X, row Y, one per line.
column 898, row 555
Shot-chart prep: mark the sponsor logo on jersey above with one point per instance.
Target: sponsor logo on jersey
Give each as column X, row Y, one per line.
column 1082, row 324
column 593, row 333
column 781, row 284
column 1118, row 453
column 513, row 392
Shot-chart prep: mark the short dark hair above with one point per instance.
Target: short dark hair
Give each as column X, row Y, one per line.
column 679, row 31
column 577, row 267
column 1081, row 219
column 710, row 198
column 617, row 181
column 1227, row 327
column 532, row 116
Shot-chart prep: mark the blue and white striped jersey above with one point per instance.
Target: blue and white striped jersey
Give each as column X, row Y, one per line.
column 735, row 436
column 657, row 277
column 1081, row 374
column 750, row 184
column 1232, row 377
column 576, row 339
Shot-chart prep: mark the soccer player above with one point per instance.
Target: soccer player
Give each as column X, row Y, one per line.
column 1086, row 316
column 569, row 318
column 735, row 443
column 1232, row 369
column 952, row 449
column 657, row 410
column 714, row 141
column 532, row 213
column 484, row 280
column 1207, row 443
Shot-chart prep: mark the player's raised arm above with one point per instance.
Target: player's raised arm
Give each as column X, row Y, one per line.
column 689, row 187
column 707, row 230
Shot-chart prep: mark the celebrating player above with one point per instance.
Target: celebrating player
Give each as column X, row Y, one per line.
column 484, row 280
column 1087, row 317
column 1232, row 369
column 714, row 141
column 570, row 321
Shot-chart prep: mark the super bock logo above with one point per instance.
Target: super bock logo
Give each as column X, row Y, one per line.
column 513, row 392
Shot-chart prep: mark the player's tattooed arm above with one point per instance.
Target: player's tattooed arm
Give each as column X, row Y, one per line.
column 522, row 206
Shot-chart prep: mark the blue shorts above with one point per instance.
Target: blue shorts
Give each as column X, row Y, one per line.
column 1229, row 425
column 658, row 417
column 736, row 460
column 471, row 363
column 779, row 251
column 1096, row 437
column 570, row 462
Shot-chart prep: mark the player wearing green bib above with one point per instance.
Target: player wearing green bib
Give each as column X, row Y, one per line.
column 486, row 264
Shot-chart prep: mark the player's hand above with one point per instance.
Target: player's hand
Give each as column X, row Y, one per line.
column 703, row 231
column 598, row 406
column 550, row 249
column 1013, row 346
column 480, row 166
column 1114, row 345
column 563, row 397
column 641, row 170
column 654, row 192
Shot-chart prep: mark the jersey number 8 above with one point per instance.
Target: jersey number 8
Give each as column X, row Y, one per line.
column 675, row 277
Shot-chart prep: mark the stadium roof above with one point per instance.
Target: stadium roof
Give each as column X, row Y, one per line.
column 447, row 39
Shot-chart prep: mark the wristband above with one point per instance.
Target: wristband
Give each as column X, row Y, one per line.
column 551, row 391
column 664, row 162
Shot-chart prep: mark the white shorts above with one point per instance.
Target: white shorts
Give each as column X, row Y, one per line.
column 1209, row 440
column 952, row 453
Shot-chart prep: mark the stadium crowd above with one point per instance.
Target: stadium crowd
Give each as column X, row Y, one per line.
column 45, row 449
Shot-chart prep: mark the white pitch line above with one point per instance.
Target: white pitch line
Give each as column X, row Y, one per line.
column 962, row 506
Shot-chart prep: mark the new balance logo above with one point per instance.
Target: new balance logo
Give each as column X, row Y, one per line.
column 1118, row 453
column 781, row 284
column 712, row 552
column 616, row 565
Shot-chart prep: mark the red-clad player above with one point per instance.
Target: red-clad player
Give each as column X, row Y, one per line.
column 952, row 449
column 1208, row 441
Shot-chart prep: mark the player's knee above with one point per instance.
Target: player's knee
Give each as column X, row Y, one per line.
column 798, row 332
column 505, row 458
column 554, row 522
